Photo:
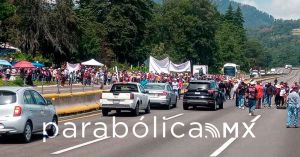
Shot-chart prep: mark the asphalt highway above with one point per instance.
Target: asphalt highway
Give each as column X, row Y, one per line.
column 265, row 134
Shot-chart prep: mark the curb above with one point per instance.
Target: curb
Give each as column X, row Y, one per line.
column 64, row 95
column 78, row 109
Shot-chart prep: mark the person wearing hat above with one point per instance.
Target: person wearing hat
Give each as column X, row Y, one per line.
column 293, row 107
column 251, row 94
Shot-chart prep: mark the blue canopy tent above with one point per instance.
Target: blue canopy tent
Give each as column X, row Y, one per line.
column 5, row 63
column 38, row 65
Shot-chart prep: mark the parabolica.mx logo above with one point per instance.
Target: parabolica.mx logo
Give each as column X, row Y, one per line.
column 157, row 128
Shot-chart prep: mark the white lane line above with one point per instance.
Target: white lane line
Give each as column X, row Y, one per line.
column 79, row 146
column 178, row 115
column 223, row 147
column 255, row 119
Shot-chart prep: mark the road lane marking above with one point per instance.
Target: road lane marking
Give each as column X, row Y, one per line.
column 255, row 119
column 178, row 115
column 79, row 146
column 71, row 119
column 223, row 147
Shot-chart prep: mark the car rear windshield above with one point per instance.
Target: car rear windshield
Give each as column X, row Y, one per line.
column 154, row 87
column 7, row 97
column 198, row 86
column 124, row 88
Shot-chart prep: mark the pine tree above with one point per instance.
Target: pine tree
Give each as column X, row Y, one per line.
column 229, row 16
column 239, row 18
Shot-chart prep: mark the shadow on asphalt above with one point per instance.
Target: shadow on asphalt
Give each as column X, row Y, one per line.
column 200, row 109
column 124, row 114
column 16, row 139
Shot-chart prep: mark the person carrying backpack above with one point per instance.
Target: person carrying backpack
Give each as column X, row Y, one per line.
column 251, row 94
column 241, row 95
column 270, row 92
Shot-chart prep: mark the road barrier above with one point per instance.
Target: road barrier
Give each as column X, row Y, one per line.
column 71, row 103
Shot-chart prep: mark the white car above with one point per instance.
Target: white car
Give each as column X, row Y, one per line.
column 125, row 96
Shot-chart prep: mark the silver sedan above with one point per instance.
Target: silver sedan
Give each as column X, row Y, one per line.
column 23, row 111
column 161, row 95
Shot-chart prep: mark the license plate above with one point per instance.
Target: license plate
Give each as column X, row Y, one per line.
column 197, row 93
column 116, row 102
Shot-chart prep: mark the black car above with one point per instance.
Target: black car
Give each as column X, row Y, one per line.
column 203, row 93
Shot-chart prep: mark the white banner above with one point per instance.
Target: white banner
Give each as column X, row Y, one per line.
column 184, row 67
column 73, row 67
column 166, row 66
column 198, row 68
column 159, row 66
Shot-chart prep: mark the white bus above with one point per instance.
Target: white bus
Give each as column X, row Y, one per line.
column 231, row 69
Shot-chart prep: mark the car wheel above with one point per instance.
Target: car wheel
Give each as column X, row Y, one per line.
column 185, row 107
column 175, row 104
column 136, row 111
column 215, row 107
column 221, row 105
column 27, row 133
column 119, row 111
column 147, row 110
column 105, row 112
column 168, row 107
column 52, row 129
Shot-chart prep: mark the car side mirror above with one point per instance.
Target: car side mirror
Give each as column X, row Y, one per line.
column 49, row 102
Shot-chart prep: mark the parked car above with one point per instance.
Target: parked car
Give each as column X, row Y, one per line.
column 125, row 96
column 161, row 95
column 203, row 93
column 23, row 111
column 262, row 72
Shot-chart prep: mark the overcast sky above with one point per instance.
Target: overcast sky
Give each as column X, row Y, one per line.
column 285, row 9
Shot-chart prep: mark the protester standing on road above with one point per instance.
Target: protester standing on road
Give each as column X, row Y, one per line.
column 293, row 107
column 260, row 93
column 251, row 94
column 175, row 86
column 241, row 95
column 180, row 87
column 270, row 92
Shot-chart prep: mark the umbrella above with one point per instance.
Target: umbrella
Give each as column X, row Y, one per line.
column 5, row 63
column 37, row 64
column 92, row 62
column 23, row 64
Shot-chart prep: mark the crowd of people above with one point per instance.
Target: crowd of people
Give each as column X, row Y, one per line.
column 256, row 95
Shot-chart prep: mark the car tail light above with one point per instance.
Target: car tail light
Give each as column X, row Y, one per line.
column 131, row 96
column 164, row 94
column 17, row 111
column 211, row 91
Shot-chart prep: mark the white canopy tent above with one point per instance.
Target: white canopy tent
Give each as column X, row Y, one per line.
column 92, row 62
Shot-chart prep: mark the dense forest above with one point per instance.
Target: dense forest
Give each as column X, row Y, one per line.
column 129, row 31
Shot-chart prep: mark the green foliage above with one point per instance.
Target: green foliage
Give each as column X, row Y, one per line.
column 281, row 45
column 190, row 38
column 252, row 16
column 127, row 32
column 6, row 10
column 19, row 56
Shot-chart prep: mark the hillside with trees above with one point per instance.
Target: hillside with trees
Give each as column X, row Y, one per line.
column 128, row 32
